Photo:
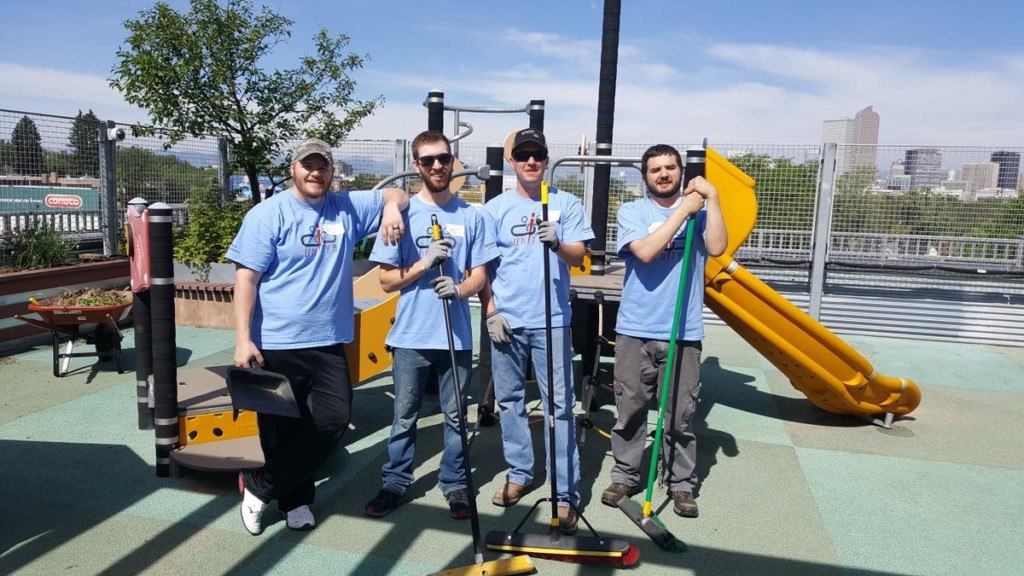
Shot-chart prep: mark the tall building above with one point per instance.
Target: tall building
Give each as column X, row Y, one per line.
column 980, row 175
column 924, row 166
column 839, row 131
column 865, row 135
column 857, row 138
column 1009, row 168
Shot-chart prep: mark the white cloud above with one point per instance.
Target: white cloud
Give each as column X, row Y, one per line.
column 62, row 93
column 730, row 93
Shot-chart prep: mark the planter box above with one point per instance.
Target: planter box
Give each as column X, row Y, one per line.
column 17, row 287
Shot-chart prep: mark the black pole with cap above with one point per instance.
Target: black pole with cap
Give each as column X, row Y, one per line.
column 536, row 111
column 485, row 393
column 435, row 110
column 165, row 370
column 605, row 122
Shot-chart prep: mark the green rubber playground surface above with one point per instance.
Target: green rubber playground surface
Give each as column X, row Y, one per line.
column 787, row 488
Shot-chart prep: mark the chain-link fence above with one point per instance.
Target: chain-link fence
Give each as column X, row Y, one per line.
column 49, row 173
column 951, row 208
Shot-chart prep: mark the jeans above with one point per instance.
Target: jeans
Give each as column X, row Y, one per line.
column 508, row 367
column 410, row 373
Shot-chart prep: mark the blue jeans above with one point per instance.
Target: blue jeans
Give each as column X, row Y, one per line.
column 411, row 368
column 508, row 367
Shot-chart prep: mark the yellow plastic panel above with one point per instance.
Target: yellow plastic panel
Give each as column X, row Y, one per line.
column 366, row 354
column 216, row 426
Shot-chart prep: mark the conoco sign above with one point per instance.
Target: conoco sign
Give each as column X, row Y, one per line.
column 63, row 201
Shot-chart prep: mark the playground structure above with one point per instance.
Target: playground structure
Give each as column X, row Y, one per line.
column 822, row 366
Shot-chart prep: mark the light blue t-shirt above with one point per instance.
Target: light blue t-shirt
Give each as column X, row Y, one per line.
column 419, row 322
column 304, row 297
column 517, row 277
column 649, row 291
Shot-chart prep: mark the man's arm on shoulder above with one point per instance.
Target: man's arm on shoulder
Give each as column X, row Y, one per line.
column 392, row 225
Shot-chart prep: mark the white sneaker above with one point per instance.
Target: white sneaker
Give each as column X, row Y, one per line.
column 252, row 509
column 300, row 518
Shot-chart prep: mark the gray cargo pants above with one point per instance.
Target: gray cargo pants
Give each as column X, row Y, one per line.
column 640, row 364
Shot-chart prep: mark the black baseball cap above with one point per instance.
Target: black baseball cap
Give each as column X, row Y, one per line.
column 529, row 135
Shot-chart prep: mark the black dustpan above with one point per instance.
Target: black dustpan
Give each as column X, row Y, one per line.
column 261, row 391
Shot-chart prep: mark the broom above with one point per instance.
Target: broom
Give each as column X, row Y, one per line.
column 516, row 564
column 554, row 545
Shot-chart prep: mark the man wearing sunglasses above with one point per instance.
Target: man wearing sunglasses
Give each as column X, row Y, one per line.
column 515, row 314
column 294, row 311
column 425, row 270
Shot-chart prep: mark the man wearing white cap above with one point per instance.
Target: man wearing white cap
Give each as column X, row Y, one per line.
column 293, row 313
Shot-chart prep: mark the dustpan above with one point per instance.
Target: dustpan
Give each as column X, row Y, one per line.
column 261, row 391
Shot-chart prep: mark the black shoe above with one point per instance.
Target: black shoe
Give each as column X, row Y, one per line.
column 458, row 504
column 486, row 417
column 382, row 504
column 616, row 491
column 684, row 504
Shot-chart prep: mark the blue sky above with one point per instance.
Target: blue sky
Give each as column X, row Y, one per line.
column 937, row 72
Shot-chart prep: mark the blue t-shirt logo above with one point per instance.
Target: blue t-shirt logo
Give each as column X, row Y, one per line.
column 318, row 239
column 526, row 231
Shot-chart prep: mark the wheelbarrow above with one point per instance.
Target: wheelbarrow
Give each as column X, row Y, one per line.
column 67, row 321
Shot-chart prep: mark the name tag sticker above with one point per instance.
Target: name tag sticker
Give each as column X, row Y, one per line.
column 654, row 226
column 335, row 228
column 554, row 215
column 455, row 230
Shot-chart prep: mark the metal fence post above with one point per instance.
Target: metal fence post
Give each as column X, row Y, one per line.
column 400, row 159
column 108, row 188
column 822, row 227
column 223, row 169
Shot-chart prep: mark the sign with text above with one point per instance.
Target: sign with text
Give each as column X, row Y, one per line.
column 47, row 199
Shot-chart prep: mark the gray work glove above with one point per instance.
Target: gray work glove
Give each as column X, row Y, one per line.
column 436, row 253
column 548, row 234
column 498, row 328
column 446, row 288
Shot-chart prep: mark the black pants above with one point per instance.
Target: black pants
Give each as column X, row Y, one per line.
column 294, row 448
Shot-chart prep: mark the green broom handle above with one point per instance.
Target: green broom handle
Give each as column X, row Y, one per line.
column 670, row 363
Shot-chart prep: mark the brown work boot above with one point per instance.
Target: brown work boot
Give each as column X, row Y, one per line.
column 616, row 491
column 509, row 494
column 567, row 520
column 684, row 503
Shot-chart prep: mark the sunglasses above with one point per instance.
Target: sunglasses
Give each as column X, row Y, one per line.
column 524, row 155
column 428, row 161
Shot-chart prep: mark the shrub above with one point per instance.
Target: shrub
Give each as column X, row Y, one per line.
column 36, row 247
column 212, row 225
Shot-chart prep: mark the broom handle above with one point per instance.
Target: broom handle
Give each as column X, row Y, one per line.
column 670, row 365
column 474, row 518
column 550, row 362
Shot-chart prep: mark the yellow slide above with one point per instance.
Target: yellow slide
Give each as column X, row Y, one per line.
column 833, row 375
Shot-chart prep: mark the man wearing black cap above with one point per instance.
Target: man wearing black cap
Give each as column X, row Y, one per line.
column 293, row 313
column 515, row 313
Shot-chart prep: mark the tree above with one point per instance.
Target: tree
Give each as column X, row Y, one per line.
column 85, row 145
column 28, row 148
column 198, row 73
column 156, row 177
column 785, row 191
